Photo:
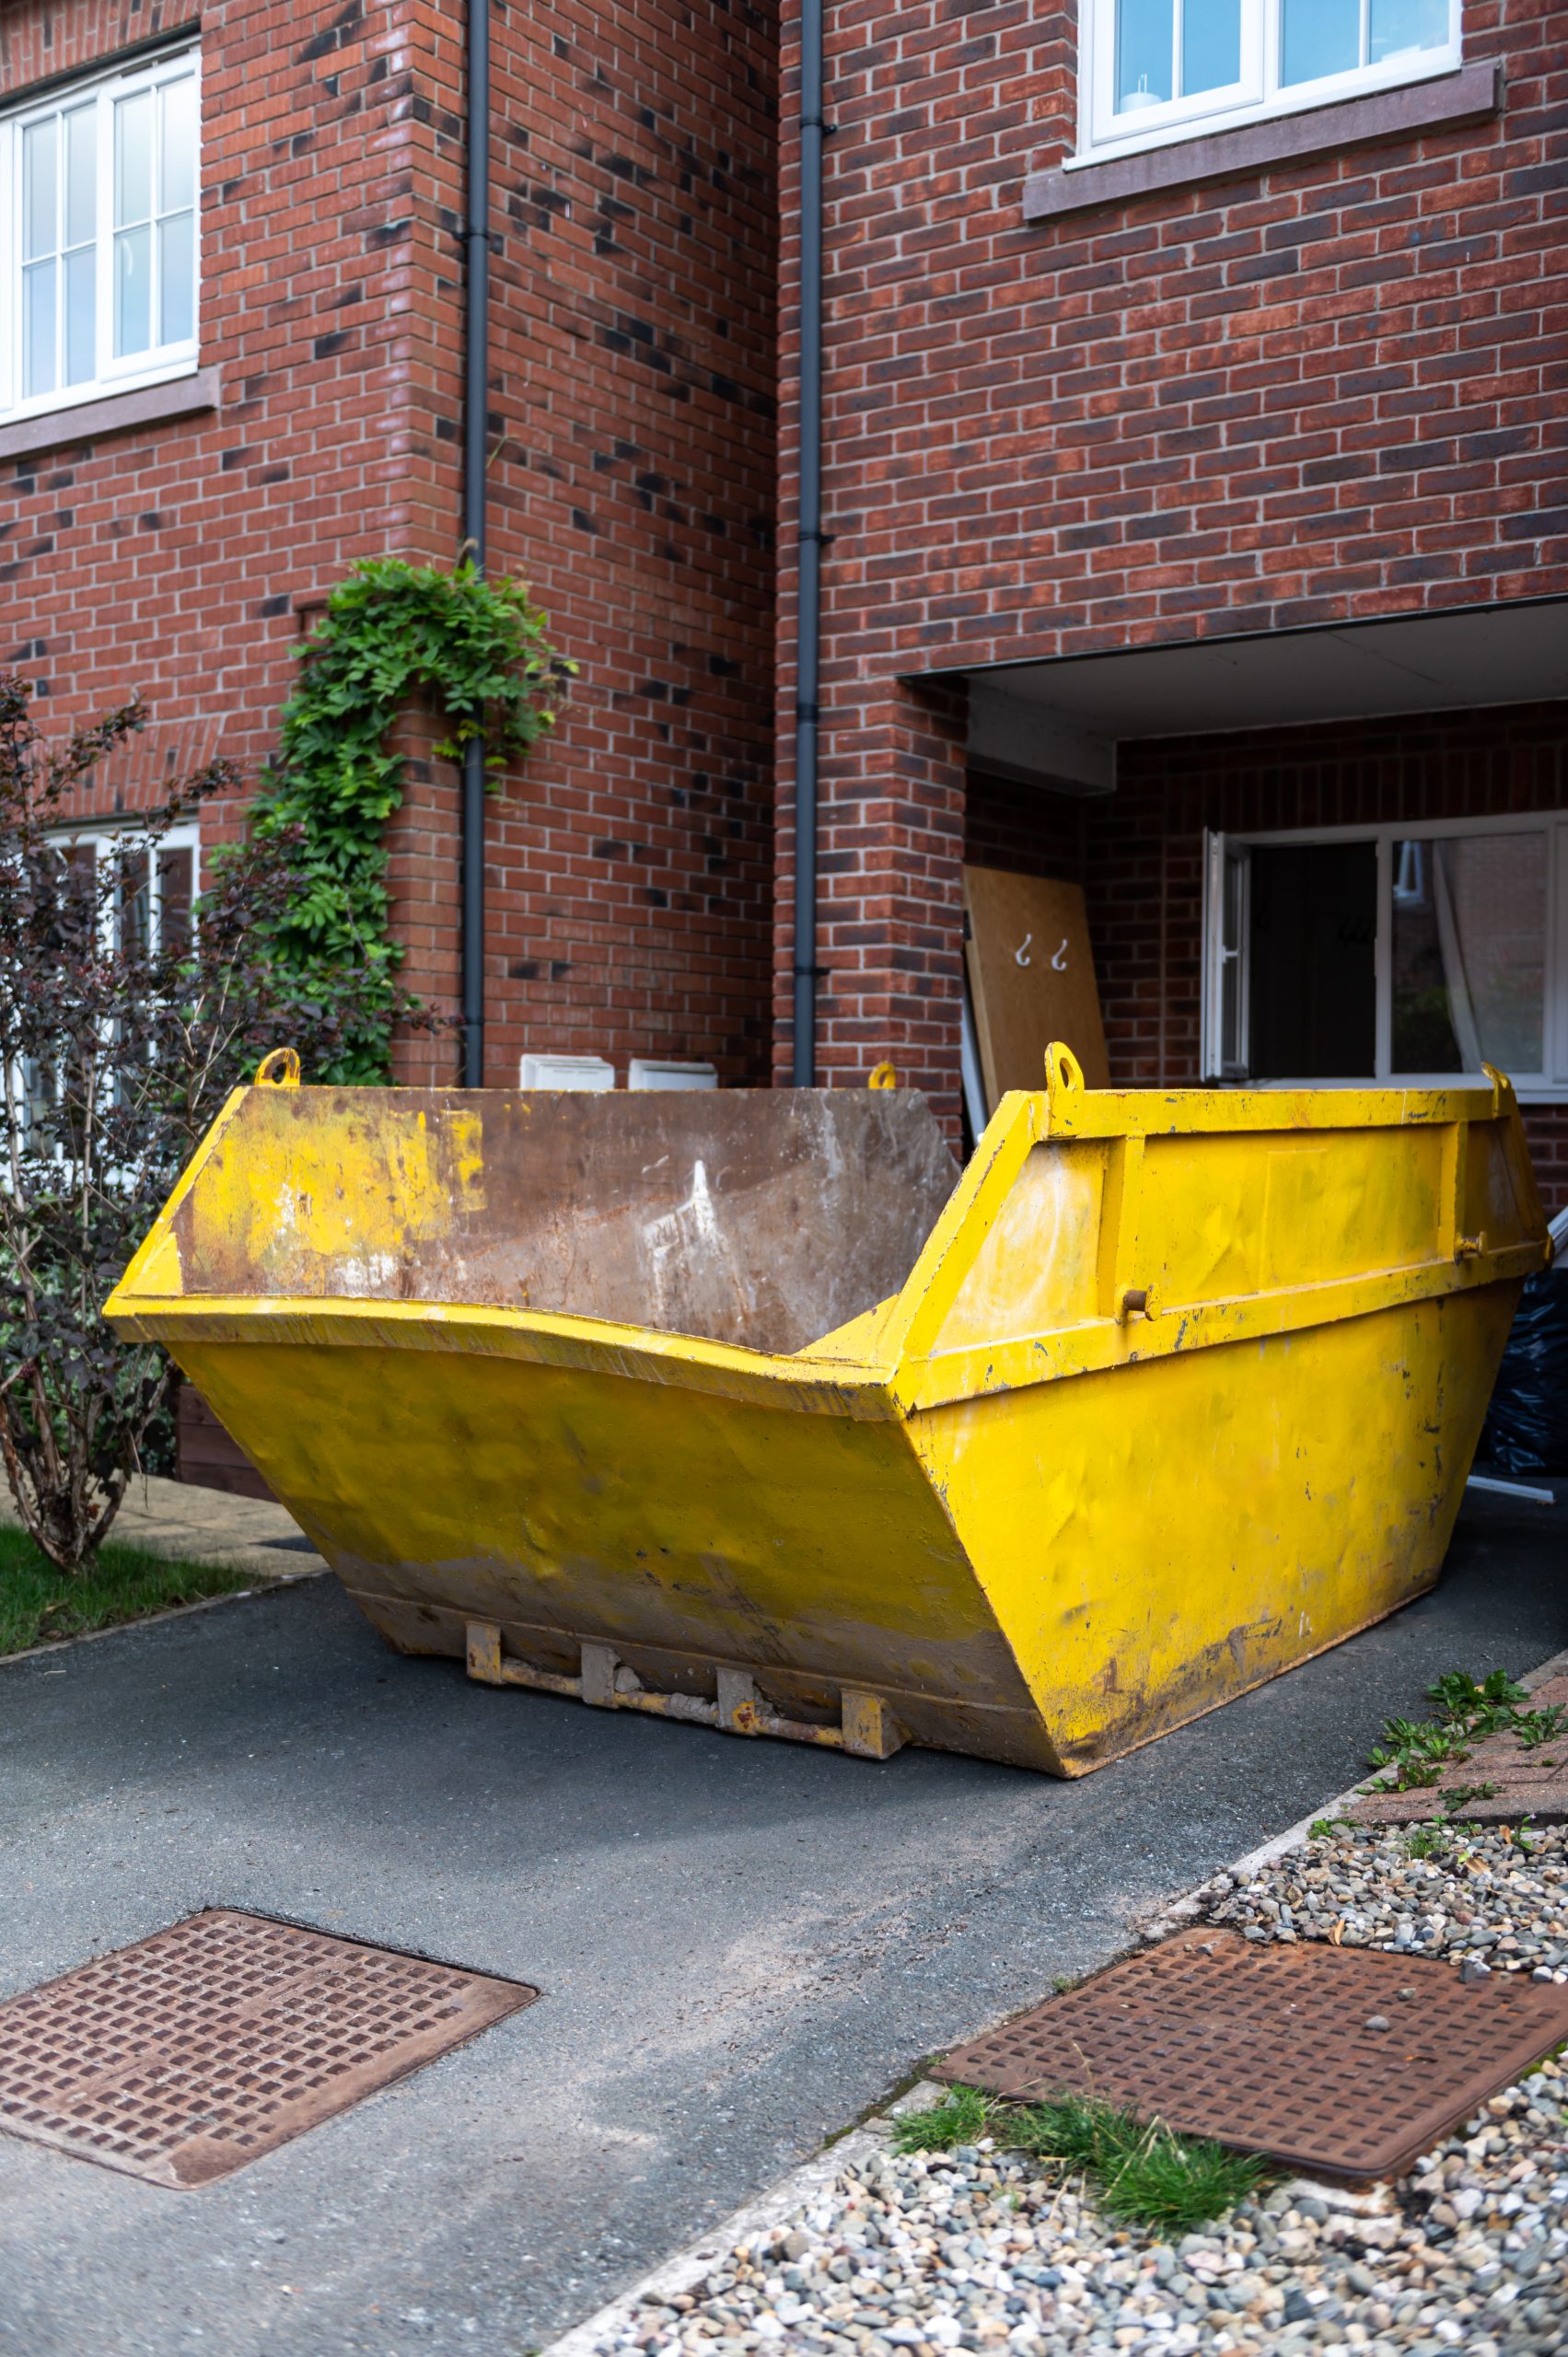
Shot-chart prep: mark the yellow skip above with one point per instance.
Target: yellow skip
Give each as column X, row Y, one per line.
column 744, row 1407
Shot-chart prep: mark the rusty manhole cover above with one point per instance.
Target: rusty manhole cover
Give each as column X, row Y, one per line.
column 192, row 2052
column 1273, row 2049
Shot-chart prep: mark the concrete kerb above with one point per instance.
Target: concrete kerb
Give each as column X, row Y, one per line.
column 794, row 2193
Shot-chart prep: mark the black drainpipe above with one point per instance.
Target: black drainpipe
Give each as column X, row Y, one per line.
column 476, row 386
column 809, row 573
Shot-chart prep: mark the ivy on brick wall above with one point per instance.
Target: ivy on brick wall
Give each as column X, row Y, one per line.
column 468, row 649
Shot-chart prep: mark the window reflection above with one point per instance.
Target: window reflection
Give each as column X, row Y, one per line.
column 1318, row 37
column 1146, row 46
column 1470, row 953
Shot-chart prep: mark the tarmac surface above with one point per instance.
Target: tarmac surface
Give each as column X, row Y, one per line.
column 741, row 1945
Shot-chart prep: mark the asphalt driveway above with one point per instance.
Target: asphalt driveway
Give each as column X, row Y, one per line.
column 741, row 1945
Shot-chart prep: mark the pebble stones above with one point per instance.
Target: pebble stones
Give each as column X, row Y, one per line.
column 1479, row 1898
column 982, row 2250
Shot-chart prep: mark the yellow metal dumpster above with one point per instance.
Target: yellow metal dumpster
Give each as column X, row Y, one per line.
column 734, row 1407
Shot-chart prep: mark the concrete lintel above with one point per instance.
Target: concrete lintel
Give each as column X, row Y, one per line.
column 1028, row 742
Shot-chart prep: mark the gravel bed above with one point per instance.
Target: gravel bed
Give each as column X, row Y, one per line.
column 979, row 2250
column 987, row 2250
column 1479, row 1895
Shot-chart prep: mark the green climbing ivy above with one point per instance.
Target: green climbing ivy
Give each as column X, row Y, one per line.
column 471, row 647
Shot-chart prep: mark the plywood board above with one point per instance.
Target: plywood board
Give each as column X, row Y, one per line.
column 1031, row 978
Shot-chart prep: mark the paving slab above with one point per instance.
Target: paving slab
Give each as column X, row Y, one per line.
column 741, row 1945
column 1499, row 1781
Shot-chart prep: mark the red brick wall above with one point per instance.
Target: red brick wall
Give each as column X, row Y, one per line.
column 1020, row 828
column 633, row 400
column 1328, row 391
column 171, row 558
column 631, row 393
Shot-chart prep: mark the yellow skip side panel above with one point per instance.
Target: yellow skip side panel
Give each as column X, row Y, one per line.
column 688, row 1527
column 1156, row 1538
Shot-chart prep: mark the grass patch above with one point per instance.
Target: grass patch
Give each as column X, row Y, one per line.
column 1142, row 2173
column 38, row 1603
column 961, row 2117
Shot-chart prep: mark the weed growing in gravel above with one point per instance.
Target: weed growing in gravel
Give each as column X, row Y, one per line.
column 1142, row 2172
column 962, row 2115
column 1145, row 2174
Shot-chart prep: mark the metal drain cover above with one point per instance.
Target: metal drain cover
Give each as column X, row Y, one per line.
column 197, row 2050
column 1274, row 2048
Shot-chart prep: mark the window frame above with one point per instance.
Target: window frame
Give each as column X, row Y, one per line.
column 1258, row 97
column 1548, row 1086
column 103, row 88
column 20, row 1081
column 110, row 837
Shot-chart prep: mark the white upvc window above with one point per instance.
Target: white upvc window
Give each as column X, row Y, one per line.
column 155, row 895
column 1156, row 71
column 1407, row 953
column 152, row 909
column 99, row 236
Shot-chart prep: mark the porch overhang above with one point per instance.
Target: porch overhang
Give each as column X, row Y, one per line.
column 1058, row 723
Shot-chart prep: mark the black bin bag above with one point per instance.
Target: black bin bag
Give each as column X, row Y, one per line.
column 1527, row 1425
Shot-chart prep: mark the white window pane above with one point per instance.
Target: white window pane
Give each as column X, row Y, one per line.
column 1404, row 27
column 1146, row 47
column 1470, row 954
column 133, row 158
column 1211, row 45
column 81, row 316
column 38, row 328
column 176, row 161
column 177, row 276
column 133, row 291
column 39, row 148
column 1318, row 37
column 81, row 176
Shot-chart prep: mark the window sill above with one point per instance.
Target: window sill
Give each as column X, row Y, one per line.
column 118, row 413
column 1470, row 96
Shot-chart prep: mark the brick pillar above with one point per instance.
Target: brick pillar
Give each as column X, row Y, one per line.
column 890, row 886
